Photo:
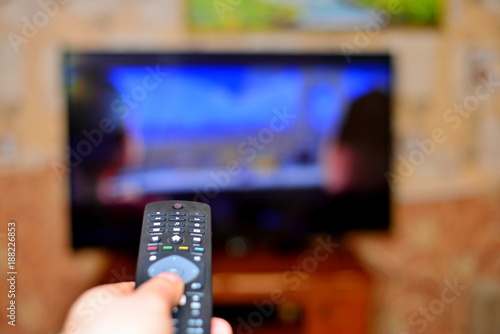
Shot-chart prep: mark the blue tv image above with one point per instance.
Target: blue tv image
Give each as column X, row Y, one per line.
column 278, row 144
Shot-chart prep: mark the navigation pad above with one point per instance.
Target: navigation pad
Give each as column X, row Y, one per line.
column 176, row 264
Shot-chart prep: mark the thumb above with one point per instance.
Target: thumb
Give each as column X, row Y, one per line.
column 167, row 288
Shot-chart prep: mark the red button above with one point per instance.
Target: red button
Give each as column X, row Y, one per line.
column 152, row 248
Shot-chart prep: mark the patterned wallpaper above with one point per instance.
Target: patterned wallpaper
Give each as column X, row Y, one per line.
column 430, row 271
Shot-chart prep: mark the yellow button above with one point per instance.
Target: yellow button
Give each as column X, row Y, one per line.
column 183, row 248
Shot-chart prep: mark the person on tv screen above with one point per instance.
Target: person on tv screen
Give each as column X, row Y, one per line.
column 357, row 158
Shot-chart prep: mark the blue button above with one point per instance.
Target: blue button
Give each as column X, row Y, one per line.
column 199, row 249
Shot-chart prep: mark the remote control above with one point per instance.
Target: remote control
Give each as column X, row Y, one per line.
column 176, row 236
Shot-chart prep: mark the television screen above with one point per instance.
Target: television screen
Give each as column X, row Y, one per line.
column 280, row 145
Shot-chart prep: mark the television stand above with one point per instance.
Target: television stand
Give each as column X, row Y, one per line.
column 291, row 293
column 301, row 292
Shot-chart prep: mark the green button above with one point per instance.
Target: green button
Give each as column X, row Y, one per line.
column 168, row 247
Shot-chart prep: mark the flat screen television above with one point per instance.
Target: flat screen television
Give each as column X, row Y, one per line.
column 282, row 146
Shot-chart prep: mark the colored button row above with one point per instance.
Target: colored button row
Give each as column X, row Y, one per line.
column 182, row 248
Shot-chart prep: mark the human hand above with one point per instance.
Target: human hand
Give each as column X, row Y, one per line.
column 118, row 308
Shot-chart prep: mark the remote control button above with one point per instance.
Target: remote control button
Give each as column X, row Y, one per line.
column 183, row 300
column 157, row 213
column 176, row 230
column 199, row 249
column 195, row 285
column 195, row 313
column 168, row 247
column 195, row 298
column 195, row 305
column 155, row 238
column 176, row 270
column 194, row 330
column 177, row 213
column 183, row 248
column 199, row 214
column 197, row 258
column 197, row 219
column 177, row 264
column 175, row 321
column 152, row 248
column 176, row 239
column 152, row 258
column 197, row 240
column 156, row 224
column 176, row 219
column 156, row 230
column 178, row 224
column 197, row 225
column 193, row 322
column 178, row 206
column 157, row 219
column 196, row 231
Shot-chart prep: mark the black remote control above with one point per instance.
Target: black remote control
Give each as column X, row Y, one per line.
column 176, row 236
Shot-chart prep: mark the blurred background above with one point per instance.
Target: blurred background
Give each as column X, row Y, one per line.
column 434, row 269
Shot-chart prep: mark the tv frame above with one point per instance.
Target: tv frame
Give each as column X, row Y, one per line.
column 128, row 233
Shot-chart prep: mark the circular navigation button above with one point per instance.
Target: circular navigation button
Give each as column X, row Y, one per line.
column 175, row 264
column 177, row 206
column 176, row 270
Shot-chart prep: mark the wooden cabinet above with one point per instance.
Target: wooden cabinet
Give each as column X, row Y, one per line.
column 297, row 293
column 291, row 294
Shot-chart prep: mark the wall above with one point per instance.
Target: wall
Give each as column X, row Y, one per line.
column 446, row 168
